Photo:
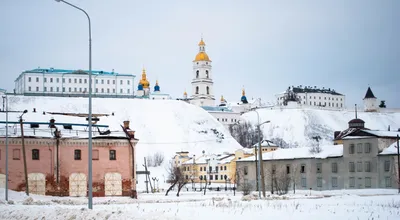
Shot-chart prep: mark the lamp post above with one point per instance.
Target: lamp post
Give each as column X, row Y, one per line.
column 226, row 182
column 24, row 152
column 90, row 196
column 5, row 99
column 260, row 167
column 398, row 162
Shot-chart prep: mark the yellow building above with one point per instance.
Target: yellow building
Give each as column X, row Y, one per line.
column 215, row 168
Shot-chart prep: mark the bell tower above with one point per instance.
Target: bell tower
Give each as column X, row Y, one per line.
column 202, row 83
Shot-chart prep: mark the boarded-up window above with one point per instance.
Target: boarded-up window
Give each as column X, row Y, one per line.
column 16, row 154
column 95, row 154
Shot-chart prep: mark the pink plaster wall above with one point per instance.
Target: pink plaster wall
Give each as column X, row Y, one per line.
column 68, row 165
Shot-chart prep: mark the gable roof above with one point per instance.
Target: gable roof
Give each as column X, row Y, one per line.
column 369, row 94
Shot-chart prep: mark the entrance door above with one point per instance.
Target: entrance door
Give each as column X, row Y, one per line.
column 37, row 183
column 77, row 185
column 113, row 184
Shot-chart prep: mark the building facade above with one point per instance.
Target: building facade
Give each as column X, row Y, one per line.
column 57, row 158
column 360, row 162
column 309, row 96
column 60, row 82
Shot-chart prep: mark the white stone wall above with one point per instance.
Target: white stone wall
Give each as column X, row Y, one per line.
column 370, row 104
column 58, row 83
column 317, row 99
column 226, row 118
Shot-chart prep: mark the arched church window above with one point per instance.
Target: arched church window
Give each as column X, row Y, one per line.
column 208, row 90
column 197, row 90
column 207, row 74
column 197, row 74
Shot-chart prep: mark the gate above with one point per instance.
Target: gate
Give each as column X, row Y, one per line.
column 77, row 185
column 113, row 184
column 37, row 183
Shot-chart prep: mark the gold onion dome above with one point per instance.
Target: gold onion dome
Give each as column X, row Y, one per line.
column 144, row 81
column 202, row 55
column 185, row 93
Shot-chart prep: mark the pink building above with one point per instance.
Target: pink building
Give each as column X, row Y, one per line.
column 113, row 153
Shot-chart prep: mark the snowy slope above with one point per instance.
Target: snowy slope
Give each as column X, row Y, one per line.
column 165, row 126
column 296, row 127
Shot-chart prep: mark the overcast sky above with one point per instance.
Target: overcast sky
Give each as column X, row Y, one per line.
column 263, row 45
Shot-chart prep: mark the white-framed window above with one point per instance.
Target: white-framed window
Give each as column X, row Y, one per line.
column 367, row 166
column 334, row 168
column 352, row 182
column 367, row 182
column 121, row 91
column 29, row 88
column 367, row 148
column 37, row 79
column 319, row 181
column 129, row 91
column 37, row 88
column 388, row 181
column 334, row 182
column 359, row 148
column 29, row 79
column 387, row 166
column 121, row 82
column 303, row 182
column 359, row 166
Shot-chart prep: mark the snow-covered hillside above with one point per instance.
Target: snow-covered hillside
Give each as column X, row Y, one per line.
column 296, row 127
column 165, row 126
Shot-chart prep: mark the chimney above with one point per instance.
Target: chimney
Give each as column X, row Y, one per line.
column 112, row 114
column 126, row 124
column 335, row 134
column 34, row 109
column 52, row 123
column 44, row 113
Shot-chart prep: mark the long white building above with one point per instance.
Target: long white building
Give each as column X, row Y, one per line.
column 312, row 96
column 60, row 82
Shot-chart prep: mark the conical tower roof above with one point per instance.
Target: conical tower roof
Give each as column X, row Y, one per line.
column 369, row 94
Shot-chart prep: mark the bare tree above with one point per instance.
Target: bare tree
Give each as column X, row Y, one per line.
column 175, row 177
column 315, row 148
column 245, row 134
column 282, row 180
column 294, row 175
column 155, row 160
column 270, row 175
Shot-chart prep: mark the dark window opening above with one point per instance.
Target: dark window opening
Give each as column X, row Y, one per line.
column 35, row 154
column 77, row 154
column 113, row 155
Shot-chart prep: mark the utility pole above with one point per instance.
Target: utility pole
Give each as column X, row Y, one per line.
column 145, row 168
column 24, row 154
column 261, row 161
column 6, row 109
column 398, row 162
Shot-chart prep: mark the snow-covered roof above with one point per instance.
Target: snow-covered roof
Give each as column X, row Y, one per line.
column 381, row 133
column 78, row 126
column 299, row 153
column 392, row 149
column 357, row 137
column 266, row 143
column 216, row 109
column 221, row 159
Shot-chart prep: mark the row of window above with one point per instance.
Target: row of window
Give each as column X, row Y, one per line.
column 324, row 105
column 57, row 89
column 197, row 74
column 360, row 149
column 211, row 177
column 205, row 168
column 77, row 154
column 80, row 80
column 304, row 98
column 207, row 90
column 226, row 120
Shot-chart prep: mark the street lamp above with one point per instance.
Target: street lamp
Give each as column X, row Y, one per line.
column 226, row 179
column 24, row 152
column 260, row 168
column 5, row 99
column 90, row 196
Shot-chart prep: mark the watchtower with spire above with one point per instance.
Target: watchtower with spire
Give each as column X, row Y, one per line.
column 370, row 102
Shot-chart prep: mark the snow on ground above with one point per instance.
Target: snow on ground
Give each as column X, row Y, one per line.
column 297, row 126
column 165, row 126
column 339, row 204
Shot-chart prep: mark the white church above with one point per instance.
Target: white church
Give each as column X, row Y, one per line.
column 203, row 92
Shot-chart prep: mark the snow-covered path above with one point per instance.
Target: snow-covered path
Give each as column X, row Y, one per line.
column 338, row 205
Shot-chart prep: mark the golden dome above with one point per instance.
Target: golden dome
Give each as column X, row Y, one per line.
column 144, row 81
column 202, row 56
column 201, row 43
column 222, row 98
column 185, row 93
